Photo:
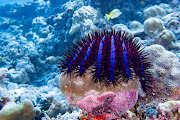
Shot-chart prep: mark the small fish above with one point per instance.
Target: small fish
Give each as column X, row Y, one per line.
column 142, row 2
column 113, row 14
column 1, row 58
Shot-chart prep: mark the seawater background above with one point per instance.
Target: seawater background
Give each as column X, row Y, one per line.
column 4, row 2
column 34, row 33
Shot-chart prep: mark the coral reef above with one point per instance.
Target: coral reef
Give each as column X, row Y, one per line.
column 154, row 111
column 166, row 31
column 48, row 99
column 33, row 35
column 171, row 21
column 75, row 115
column 169, row 110
column 83, row 21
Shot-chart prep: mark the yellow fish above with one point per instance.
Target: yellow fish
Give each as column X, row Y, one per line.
column 113, row 14
column 1, row 58
column 142, row 2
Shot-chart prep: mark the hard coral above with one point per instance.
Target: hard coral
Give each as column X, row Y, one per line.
column 153, row 24
column 154, row 11
column 166, row 39
column 166, row 70
column 25, row 111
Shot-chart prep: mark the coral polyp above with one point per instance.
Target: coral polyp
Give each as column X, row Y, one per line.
column 109, row 55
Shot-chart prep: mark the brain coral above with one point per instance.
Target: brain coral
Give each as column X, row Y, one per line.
column 154, row 11
column 153, row 24
column 166, row 39
column 166, row 70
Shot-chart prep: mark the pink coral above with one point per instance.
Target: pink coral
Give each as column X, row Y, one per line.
column 124, row 100
column 88, row 103
column 108, row 102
